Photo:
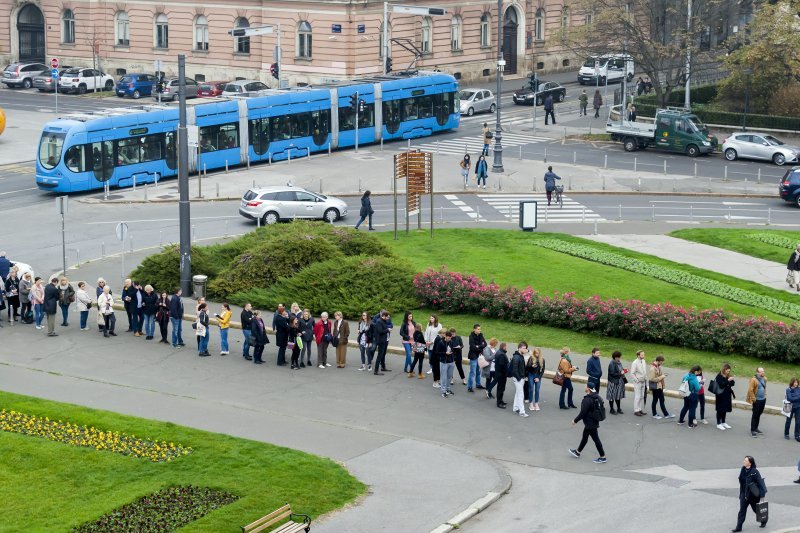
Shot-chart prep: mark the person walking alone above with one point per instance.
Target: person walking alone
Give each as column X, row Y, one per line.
column 639, row 377
column 518, row 375
column 793, row 397
column 757, row 397
column 548, row 110
column 597, row 103
column 591, row 406
column 584, row 102
column 366, row 210
column 550, row 178
column 481, row 171
column 751, row 490
column 794, row 268
column 466, row 165
column 487, row 138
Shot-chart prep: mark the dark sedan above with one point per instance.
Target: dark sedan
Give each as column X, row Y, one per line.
column 525, row 95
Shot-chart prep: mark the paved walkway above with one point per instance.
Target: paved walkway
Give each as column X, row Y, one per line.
column 767, row 273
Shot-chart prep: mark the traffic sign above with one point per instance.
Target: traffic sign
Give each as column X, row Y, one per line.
column 54, row 62
column 122, row 231
column 54, row 73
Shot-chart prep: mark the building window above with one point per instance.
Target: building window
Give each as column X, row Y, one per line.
column 589, row 19
column 122, row 29
column 539, row 25
column 455, row 33
column 564, row 20
column 486, row 25
column 389, row 39
column 425, row 35
column 200, row 33
column 162, row 31
column 304, row 40
column 68, row 27
column 242, row 43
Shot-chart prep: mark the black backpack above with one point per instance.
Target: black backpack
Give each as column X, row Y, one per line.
column 599, row 410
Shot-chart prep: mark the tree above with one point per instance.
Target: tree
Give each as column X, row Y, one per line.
column 768, row 61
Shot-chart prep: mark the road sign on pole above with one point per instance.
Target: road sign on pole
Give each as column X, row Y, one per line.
column 61, row 206
column 54, row 62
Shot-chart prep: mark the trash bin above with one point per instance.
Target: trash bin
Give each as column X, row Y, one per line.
column 199, row 283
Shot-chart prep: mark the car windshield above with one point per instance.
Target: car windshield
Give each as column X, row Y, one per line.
column 11, row 68
column 697, row 124
column 125, row 79
column 232, row 88
column 465, row 95
column 773, row 141
column 590, row 62
column 50, row 149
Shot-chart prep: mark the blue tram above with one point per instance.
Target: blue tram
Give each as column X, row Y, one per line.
column 118, row 146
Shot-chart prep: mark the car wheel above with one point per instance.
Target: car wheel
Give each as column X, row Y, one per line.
column 331, row 215
column 560, row 97
column 109, row 86
column 692, row 150
column 136, row 94
column 81, row 89
column 797, row 201
column 779, row 159
column 270, row 217
column 730, row 154
column 492, row 108
column 27, row 83
column 470, row 112
column 630, row 144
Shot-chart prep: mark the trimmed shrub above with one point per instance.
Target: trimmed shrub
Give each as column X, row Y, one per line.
column 163, row 270
column 350, row 285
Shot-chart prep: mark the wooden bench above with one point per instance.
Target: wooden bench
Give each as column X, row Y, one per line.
column 276, row 516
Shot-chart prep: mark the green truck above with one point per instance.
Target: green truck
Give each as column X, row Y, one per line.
column 674, row 130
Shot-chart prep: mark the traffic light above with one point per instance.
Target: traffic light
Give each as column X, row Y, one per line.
column 362, row 106
column 273, row 69
column 353, row 102
column 388, row 65
column 533, row 83
column 160, row 84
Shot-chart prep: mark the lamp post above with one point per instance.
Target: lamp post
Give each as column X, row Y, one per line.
column 497, row 166
column 747, row 72
column 687, row 100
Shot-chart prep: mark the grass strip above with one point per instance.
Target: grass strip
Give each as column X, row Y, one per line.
column 766, row 246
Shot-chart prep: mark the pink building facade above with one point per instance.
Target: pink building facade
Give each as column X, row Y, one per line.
column 322, row 40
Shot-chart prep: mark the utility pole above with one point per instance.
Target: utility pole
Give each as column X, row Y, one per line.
column 183, row 182
column 385, row 35
column 497, row 166
column 687, row 101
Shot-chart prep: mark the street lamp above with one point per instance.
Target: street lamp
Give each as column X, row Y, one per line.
column 747, row 72
column 497, row 166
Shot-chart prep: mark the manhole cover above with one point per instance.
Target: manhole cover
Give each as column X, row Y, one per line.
column 368, row 158
column 672, row 482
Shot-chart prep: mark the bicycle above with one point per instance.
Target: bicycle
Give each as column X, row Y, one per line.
column 559, row 198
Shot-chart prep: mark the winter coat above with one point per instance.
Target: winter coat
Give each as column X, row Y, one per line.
column 406, row 332
column 615, row 372
column 150, row 303
column 752, row 390
column 500, row 365
column 246, row 319
column 51, row 296
column 25, row 291
column 306, row 328
column 176, row 307
column 66, row 294
column 793, row 395
column 550, row 180
column 82, row 300
column 258, row 332
column 548, row 103
column 476, row 345
column 566, row 368
column 322, row 327
column 748, row 476
column 489, row 355
column 724, row 397
column 481, row 168
column 594, row 371
column 341, row 331
column 105, row 304
column 366, row 207
column 794, row 261
column 534, row 367
column 598, row 101
column 517, row 366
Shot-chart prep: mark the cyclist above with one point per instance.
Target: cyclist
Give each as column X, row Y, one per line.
column 550, row 178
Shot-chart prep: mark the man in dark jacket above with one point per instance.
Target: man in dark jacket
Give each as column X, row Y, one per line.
column 176, row 318
column 281, row 325
column 437, row 354
column 519, row 375
column 259, row 335
column 5, row 265
column 380, row 338
column 550, row 178
column 590, row 424
column 51, row 295
column 594, row 369
column 137, row 308
column 246, row 319
column 476, row 345
column 548, row 110
column 376, row 338
column 794, row 268
column 501, row 373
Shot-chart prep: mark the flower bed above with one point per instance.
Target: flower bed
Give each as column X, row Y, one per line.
column 165, row 510
column 775, row 240
column 675, row 276
column 90, row 437
column 708, row 330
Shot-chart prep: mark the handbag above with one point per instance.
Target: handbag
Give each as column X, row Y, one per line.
column 652, row 385
column 789, row 278
column 753, row 490
column 786, row 410
column 558, row 379
column 482, row 362
column 290, row 346
column 713, row 387
column 420, row 347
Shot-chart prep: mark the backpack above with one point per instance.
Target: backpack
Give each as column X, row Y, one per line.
column 599, row 410
column 683, row 390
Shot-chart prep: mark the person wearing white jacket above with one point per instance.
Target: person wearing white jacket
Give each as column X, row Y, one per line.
column 639, row 376
column 105, row 305
column 84, row 302
column 431, row 332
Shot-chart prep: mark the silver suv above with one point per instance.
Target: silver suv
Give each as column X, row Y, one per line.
column 273, row 204
column 22, row 74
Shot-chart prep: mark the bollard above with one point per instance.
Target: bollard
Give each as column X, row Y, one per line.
column 709, row 184
column 248, row 163
column 254, row 184
column 409, row 144
column 619, row 216
column 145, row 192
column 730, row 219
column 695, row 170
column 103, row 250
column 329, row 149
column 478, row 213
column 258, row 222
column 674, row 184
column 545, row 154
column 545, row 212
column 510, row 213
column 759, row 176
column 533, row 183
column 604, row 182
column 156, row 180
column 691, row 212
column 595, row 227
column 605, row 161
column 359, row 184
column 270, row 158
column 130, row 240
column 653, row 214
column 569, row 183
column 134, row 183
column 639, row 184
column 78, row 255
column 289, row 157
column 226, row 227
column 745, row 184
column 634, row 164
column 226, row 166
column 194, row 233
column 437, row 145
column 441, row 214
column 466, row 149
column 381, row 144
column 205, row 171
column 499, row 182
column 769, row 216
column 308, row 153
column 320, row 185
column 665, row 167
column 574, row 158
column 583, row 214
column 725, row 177
column 520, row 152
column 565, row 133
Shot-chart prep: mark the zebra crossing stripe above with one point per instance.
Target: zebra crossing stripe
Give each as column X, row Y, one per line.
column 572, row 211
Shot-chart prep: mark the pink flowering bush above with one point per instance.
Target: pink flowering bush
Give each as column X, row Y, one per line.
column 712, row 330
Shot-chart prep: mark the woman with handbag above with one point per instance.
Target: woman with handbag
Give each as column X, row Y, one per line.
column 655, row 381
column 295, row 343
column 565, row 370
column 793, row 397
column 487, row 366
column 366, row 210
column 162, row 316
column 534, row 368
column 723, row 390
column 84, row 303
column 105, row 306
column 751, row 490
column 616, row 383
column 419, row 347
column 201, row 327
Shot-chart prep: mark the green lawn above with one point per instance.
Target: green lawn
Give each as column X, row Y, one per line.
column 49, row 486
column 736, row 240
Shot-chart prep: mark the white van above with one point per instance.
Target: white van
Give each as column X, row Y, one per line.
column 609, row 68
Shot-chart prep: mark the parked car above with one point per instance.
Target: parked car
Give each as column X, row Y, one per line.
column 210, row 89
column 22, row 74
column 752, row 145
column 135, row 85
column 171, row 89
column 243, row 86
column 789, row 187
column 525, row 95
column 273, row 204
column 23, row 268
column 476, row 100
column 80, row 80
column 45, row 82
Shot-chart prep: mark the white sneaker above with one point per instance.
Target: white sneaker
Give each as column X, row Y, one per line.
column 429, row 371
column 670, row 415
column 321, row 366
column 726, row 426
column 532, row 407
column 437, row 386
column 361, row 368
column 523, row 414
column 327, row 364
column 721, row 427
column 658, row 417
column 704, row 421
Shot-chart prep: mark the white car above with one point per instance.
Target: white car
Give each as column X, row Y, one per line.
column 752, row 145
column 81, row 80
column 475, row 101
column 23, row 268
column 239, row 87
column 273, row 204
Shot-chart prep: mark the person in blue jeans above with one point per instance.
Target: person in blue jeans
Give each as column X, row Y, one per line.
column 149, row 310
column 202, row 332
column 407, row 328
column 534, row 368
column 793, row 397
column 477, row 343
column 176, row 318
column 246, row 319
column 690, row 401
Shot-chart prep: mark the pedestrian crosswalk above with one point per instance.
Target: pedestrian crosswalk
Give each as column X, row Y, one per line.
column 473, row 144
column 508, row 206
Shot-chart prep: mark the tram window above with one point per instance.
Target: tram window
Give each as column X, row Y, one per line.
column 228, row 136
column 171, row 156
column 300, row 125
column 259, row 135
column 74, row 159
column 281, row 128
column 50, row 149
column 150, row 149
column 449, row 102
column 391, row 111
column 103, row 160
column 128, row 151
column 320, row 122
column 367, row 118
column 425, row 106
column 410, row 109
column 347, row 119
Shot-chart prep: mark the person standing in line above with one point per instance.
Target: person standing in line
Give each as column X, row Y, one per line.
column 322, row 334
column 655, row 380
column 380, row 337
column 84, row 303
column 794, row 268
column 5, row 264
column 757, row 397
column 584, row 102
column 487, row 135
column 294, row 310
column 457, row 344
column 224, row 323
column 639, row 376
column 690, row 401
column 202, row 333
column 550, row 178
column 751, row 490
column 101, row 283
column 162, row 316
column 534, row 368
column 407, row 329
column 363, row 340
column 176, row 318
column 793, row 397
column 548, row 110
column 66, row 296
column 138, row 308
column 615, row 391
column 246, row 319
column 25, row 285
column 724, row 396
column 295, row 341
column 488, row 371
column 501, row 373
column 477, row 344
column 590, row 406
column 149, row 310
column 306, row 323
column 366, row 210
column 51, row 300
column 37, row 297
column 431, row 334
column 128, row 293
column 518, row 375
column 447, row 365
column 437, row 355
column 594, row 369
column 12, row 294
column 341, row 332
column 481, row 171
column 258, row 335
column 466, row 165
column 597, row 103
column 701, row 397
column 105, row 306
column 419, row 351
column 280, row 323
column 566, row 368
column 383, row 338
